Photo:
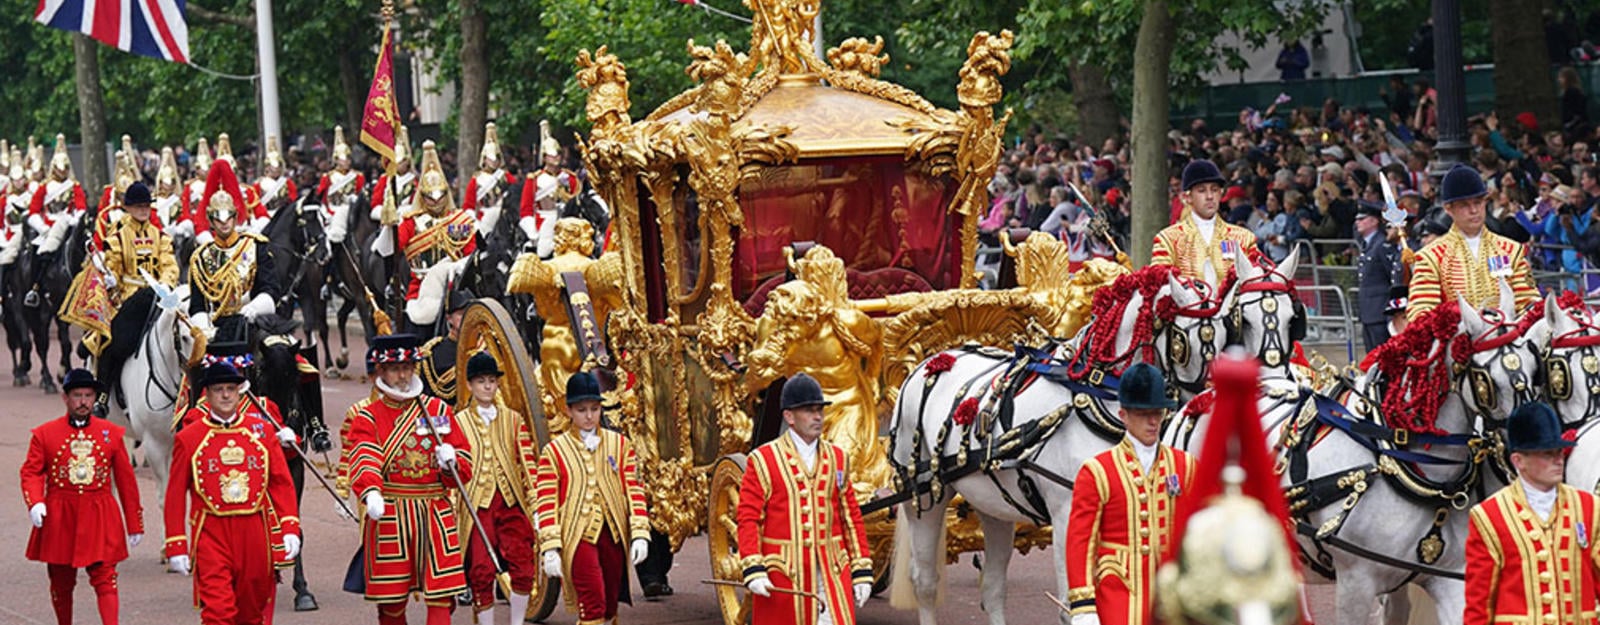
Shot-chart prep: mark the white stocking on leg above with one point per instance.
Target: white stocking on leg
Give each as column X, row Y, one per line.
column 519, row 608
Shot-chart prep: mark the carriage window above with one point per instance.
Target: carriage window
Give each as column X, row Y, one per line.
column 873, row 212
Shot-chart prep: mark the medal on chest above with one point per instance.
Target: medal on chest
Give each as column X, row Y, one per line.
column 416, row 461
column 81, row 467
column 1583, row 535
column 1499, row 265
column 1174, row 487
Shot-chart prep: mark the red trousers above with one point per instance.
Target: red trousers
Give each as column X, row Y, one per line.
column 597, row 576
column 102, row 576
column 233, row 575
column 438, row 612
column 512, row 535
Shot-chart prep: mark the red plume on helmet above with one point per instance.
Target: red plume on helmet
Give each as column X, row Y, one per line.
column 221, row 179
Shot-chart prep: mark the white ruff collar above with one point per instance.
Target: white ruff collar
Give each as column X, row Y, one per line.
column 410, row 392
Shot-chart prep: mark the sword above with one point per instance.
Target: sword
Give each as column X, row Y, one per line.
column 1095, row 214
column 1392, row 214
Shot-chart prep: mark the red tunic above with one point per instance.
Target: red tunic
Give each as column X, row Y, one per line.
column 77, row 204
column 427, row 240
column 530, row 190
column 71, row 470
column 234, row 478
column 403, row 192
column 357, row 185
column 471, row 201
column 415, row 546
column 1520, row 570
column 778, row 497
column 1117, row 532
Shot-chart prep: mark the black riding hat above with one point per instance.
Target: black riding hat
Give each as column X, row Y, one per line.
column 800, row 391
column 221, row 373
column 1199, row 171
column 582, row 386
column 80, row 378
column 1144, row 388
column 136, row 194
column 1535, row 427
column 459, row 299
column 1461, row 183
column 483, row 363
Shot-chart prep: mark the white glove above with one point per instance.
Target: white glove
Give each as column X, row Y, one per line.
column 259, row 305
column 36, row 514
column 529, row 227
column 639, row 550
column 110, row 278
column 760, row 586
column 374, row 505
column 135, row 539
column 446, row 453
column 1087, row 618
column 291, row 549
column 258, row 225
column 863, row 592
column 552, row 564
column 376, row 213
column 202, row 322
column 178, row 564
column 203, row 238
column 286, row 437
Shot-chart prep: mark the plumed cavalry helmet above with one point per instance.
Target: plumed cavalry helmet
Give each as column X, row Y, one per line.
column 60, row 163
column 167, row 172
column 223, row 196
column 341, row 150
column 200, row 164
column 548, row 146
column 127, row 166
column 489, row 156
column 402, row 145
column 274, row 157
column 434, row 188
column 225, row 150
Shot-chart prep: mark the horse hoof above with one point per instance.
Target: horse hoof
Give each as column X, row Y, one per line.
column 305, row 603
column 48, row 385
column 343, row 360
column 21, row 381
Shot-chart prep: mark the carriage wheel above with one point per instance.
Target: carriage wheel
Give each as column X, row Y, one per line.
column 487, row 326
column 724, row 529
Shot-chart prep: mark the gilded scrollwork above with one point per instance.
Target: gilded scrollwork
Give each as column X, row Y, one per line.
column 856, row 55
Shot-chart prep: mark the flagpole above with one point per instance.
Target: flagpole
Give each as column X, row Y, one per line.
column 269, row 72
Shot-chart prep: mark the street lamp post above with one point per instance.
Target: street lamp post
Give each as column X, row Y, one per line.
column 1449, row 79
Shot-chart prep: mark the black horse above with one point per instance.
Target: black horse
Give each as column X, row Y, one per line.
column 300, row 251
column 55, row 270
column 352, row 266
column 14, row 317
column 298, row 395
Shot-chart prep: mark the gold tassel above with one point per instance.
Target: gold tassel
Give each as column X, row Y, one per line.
column 390, row 214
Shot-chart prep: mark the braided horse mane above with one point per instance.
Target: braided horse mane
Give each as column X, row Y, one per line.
column 1106, row 313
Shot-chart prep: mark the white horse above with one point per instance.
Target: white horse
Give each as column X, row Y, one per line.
column 1260, row 319
column 1415, row 490
column 1572, row 382
column 152, row 377
column 1056, row 423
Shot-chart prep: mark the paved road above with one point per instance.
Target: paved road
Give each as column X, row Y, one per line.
column 149, row 595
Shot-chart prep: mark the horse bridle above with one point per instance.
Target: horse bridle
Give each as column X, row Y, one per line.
column 1480, row 380
column 181, row 325
column 1556, row 372
column 1262, row 292
column 1202, row 316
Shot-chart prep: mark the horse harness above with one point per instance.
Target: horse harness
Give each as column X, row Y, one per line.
column 1395, row 462
column 1262, row 291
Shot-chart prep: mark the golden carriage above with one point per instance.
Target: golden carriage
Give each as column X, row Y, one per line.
column 787, row 214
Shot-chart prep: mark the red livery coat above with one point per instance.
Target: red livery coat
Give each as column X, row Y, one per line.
column 1523, row 570
column 415, row 545
column 780, row 497
column 72, row 470
column 1120, row 523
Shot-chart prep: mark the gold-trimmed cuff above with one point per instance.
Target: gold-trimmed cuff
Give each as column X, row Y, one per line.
column 753, row 567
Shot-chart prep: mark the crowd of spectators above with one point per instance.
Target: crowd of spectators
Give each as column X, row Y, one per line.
column 1301, row 173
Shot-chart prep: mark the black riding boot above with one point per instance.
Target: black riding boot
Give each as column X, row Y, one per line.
column 653, row 570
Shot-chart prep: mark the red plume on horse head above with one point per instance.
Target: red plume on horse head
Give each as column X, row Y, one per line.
column 221, row 179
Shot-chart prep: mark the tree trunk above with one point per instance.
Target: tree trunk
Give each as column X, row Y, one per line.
column 1522, row 78
column 1151, row 97
column 474, row 109
column 354, row 87
column 91, row 114
column 1097, row 110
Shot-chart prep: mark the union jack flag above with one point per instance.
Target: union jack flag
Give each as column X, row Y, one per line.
column 153, row 28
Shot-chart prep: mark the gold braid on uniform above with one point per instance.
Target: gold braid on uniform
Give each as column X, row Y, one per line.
column 443, row 382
